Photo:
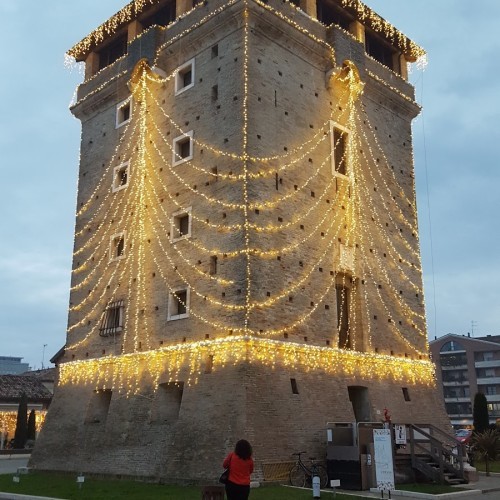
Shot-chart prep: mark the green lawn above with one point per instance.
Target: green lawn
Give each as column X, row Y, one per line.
column 63, row 486
column 494, row 466
column 431, row 489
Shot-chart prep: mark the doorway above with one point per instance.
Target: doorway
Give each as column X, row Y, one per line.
column 360, row 401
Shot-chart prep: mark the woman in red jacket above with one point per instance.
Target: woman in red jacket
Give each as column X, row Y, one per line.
column 240, row 465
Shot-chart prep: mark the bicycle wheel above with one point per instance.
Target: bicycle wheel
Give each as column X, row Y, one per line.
column 323, row 476
column 297, row 476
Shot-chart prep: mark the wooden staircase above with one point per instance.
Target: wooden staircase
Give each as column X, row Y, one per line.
column 437, row 455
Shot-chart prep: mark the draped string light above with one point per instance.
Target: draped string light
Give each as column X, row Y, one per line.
column 139, row 211
column 179, row 361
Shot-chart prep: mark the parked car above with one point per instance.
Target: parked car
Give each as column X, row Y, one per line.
column 463, row 435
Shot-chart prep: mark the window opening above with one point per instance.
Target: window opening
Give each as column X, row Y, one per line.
column 98, row 408
column 295, row 389
column 167, row 402
column 183, row 148
column 380, row 51
column 213, row 265
column 117, row 249
column 178, row 306
column 406, row 394
column 120, row 176
column 184, row 78
column 113, row 51
column 181, row 225
column 112, row 320
column 215, row 51
column 360, row 401
column 123, row 113
column 340, row 151
column 161, row 17
column 328, row 14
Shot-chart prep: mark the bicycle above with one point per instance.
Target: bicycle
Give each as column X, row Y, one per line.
column 300, row 474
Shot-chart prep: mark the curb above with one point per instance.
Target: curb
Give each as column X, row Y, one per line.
column 15, row 496
column 14, row 456
column 415, row 494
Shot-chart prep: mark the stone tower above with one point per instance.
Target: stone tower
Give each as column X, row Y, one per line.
column 246, row 259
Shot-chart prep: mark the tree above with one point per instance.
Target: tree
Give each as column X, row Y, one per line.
column 21, row 433
column 486, row 446
column 32, row 426
column 480, row 413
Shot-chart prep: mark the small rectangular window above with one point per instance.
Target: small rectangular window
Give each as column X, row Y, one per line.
column 406, row 394
column 295, row 389
column 117, row 246
column 178, row 304
column 112, row 319
column 339, row 151
column 215, row 51
column 182, row 149
column 215, row 93
column 184, row 77
column 121, row 177
column 123, row 113
column 180, row 225
column 213, row 265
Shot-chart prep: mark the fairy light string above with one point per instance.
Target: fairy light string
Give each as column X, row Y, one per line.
column 352, row 217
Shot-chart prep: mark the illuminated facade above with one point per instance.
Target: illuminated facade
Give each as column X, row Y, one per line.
column 246, row 258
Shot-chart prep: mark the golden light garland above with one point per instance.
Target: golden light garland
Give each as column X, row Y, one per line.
column 140, row 213
column 380, row 25
column 126, row 372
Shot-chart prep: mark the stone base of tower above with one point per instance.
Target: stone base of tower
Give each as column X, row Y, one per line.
column 182, row 432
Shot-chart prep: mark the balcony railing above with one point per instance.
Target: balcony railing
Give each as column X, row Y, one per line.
column 488, row 381
column 494, row 363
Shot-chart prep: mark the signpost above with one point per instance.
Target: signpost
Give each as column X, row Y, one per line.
column 384, row 464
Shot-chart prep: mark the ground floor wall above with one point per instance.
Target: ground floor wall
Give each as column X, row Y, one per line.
column 183, row 431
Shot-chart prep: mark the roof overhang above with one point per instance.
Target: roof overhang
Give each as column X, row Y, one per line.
column 356, row 8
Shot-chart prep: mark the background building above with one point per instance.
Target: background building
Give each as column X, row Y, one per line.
column 12, row 387
column 246, row 258
column 466, row 366
column 12, row 366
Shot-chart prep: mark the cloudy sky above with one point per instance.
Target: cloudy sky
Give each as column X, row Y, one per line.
column 456, row 151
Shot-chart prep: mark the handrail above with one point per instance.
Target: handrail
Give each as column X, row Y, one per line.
column 441, row 452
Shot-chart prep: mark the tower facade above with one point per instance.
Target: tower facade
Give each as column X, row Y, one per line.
column 246, row 259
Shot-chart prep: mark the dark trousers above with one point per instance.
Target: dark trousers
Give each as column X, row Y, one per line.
column 237, row 491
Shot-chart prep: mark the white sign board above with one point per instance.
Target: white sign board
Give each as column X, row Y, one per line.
column 384, row 466
column 400, row 434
